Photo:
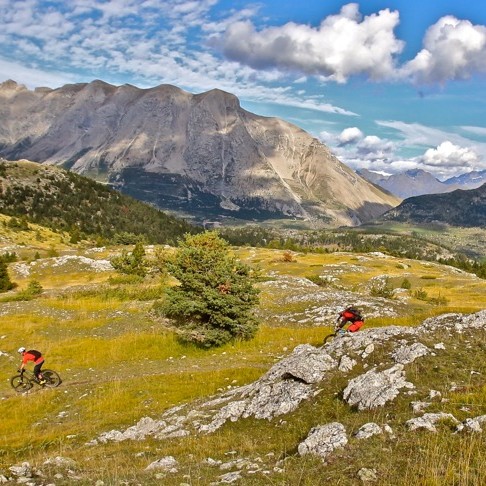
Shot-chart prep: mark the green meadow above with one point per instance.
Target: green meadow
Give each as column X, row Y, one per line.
column 120, row 362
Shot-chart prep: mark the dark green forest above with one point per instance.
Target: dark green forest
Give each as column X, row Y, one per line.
column 65, row 201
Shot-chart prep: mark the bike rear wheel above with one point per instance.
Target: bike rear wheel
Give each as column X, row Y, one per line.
column 20, row 383
column 51, row 377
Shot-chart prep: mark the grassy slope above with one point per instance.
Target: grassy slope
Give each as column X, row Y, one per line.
column 469, row 241
column 119, row 365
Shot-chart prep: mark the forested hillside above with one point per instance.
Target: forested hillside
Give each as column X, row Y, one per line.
column 65, row 201
column 457, row 208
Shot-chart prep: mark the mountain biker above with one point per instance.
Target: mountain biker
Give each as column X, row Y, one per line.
column 350, row 315
column 37, row 358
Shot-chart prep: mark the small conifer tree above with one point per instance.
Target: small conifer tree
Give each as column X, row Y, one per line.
column 214, row 300
column 5, row 282
column 133, row 263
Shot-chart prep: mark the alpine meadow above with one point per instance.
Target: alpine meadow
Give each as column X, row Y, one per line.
column 242, row 243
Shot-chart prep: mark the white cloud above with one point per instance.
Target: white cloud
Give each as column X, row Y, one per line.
column 444, row 159
column 448, row 155
column 476, row 130
column 34, row 78
column 375, row 148
column 453, row 49
column 343, row 45
column 422, row 135
column 350, row 135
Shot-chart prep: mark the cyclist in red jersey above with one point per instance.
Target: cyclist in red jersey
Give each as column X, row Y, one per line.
column 37, row 358
column 350, row 315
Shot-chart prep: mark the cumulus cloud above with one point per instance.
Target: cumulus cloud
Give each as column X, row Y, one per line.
column 453, row 49
column 375, row 148
column 341, row 46
column 350, row 135
column 448, row 155
column 446, row 159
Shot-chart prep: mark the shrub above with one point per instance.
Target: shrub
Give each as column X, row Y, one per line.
column 34, row 288
column 440, row 300
column 214, row 301
column 420, row 294
column 382, row 289
column 406, row 284
column 316, row 279
column 133, row 263
column 18, row 224
column 288, row 256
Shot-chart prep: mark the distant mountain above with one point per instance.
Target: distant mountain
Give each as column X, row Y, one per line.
column 62, row 200
column 199, row 154
column 470, row 180
column 466, row 208
column 407, row 184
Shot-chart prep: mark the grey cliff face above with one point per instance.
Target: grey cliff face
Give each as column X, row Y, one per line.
column 195, row 153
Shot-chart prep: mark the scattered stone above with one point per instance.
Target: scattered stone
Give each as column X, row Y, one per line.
column 368, row 430
column 60, row 461
column 302, row 374
column 368, row 350
column 22, row 471
column 408, row 354
column 212, row 462
column 434, row 394
column 375, row 388
column 230, row 477
column 389, row 431
column 367, row 475
column 167, row 463
column 346, row 364
column 323, row 440
column 419, row 407
column 472, row 424
column 428, row 421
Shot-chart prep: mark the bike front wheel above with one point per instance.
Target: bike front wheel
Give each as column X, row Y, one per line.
column 20, row 384
column 52, row 378
column 329, row 338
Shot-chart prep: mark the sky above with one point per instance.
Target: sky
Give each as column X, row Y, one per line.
column 388, row 85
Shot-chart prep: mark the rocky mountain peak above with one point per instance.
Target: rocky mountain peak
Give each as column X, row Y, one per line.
column 197, row 154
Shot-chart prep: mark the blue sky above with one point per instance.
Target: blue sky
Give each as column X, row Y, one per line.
column 388, row 85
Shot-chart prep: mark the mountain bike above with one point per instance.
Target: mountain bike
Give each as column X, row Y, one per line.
column 25, row 380
column 338, row 332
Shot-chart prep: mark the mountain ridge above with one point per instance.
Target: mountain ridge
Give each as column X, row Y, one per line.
column 202, row 154
column 418, row 182
column 466, row 208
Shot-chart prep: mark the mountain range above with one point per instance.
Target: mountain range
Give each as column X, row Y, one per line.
column 418, row 182
column 201, row 155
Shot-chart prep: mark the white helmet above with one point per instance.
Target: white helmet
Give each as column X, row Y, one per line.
column 21, row 350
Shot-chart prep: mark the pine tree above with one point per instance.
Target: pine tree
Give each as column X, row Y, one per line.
column 131, row 263
column 5, row 282
column 213, row 303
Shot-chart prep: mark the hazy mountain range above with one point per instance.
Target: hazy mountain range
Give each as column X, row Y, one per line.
column 199, row 154
column 418, row 182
